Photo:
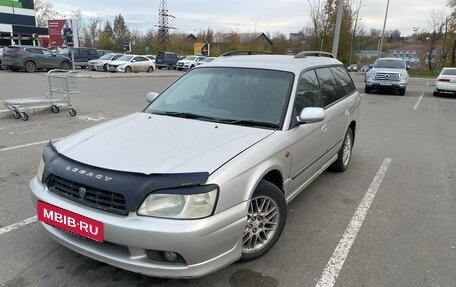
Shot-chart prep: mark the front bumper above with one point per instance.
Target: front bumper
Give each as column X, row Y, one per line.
column 206, row 245
column 386, row 85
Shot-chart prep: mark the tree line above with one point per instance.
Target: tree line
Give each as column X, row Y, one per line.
column 438, row 37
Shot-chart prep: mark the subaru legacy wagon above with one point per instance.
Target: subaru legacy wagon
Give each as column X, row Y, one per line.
column 201, row 177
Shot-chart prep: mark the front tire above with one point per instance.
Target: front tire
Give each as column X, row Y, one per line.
column 367, row 90
column 344, row 155
column 127, row 70
column 65, row 66
column 30, row 67
column 266, row 219
column 401, row 92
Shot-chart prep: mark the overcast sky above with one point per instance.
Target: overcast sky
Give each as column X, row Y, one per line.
column 250, row 15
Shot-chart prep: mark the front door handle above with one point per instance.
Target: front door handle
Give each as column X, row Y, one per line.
column 324, row 128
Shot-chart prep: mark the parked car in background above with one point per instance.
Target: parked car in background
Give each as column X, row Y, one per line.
column 2, row 66
column 167, row 60
column 445, row 82
column 364, row 68
column 353, row 68
column 387, row 74
column 203, row 176
column 32, row 58
column 132, row 63
column 82, row 55
column 189, row 62
column 101, row 64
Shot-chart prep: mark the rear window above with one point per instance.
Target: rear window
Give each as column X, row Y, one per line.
column 449, row 72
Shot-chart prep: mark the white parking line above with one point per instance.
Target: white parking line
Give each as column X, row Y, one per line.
column 17, row 225
column 427, row 84
column 419, row 101
column 24, row 145
column 335, row 264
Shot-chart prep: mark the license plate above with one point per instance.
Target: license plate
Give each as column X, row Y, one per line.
column 385, row 84
column 70, row 221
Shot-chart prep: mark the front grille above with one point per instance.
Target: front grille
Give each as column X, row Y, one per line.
column 387, row 76
column 93, row 197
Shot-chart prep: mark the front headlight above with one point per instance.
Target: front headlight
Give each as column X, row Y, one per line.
column 186, row 203
column 370, row 75
column 40, row 172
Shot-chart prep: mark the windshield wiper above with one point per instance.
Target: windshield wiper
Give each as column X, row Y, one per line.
column 186, row 115
column 251, row 123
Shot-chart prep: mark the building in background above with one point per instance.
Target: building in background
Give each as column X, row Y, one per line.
column 18, row 23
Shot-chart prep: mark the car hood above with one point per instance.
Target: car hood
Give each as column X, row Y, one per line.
column 147, row 143
column 387, row 70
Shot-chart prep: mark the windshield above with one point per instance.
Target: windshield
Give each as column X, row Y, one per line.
column 389, row 63
column 125, row 58
column 190, row 58
column 106, row 56
column 65, row 51
column 241, row 96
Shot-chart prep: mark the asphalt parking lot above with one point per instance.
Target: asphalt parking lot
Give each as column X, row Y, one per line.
column 389, row 220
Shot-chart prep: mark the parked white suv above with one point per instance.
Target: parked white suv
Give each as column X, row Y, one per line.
column 190, row 62
column 202, row 177
column 387, row 74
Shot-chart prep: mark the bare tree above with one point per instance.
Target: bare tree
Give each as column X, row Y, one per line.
column 45, row 11
column 435, row 25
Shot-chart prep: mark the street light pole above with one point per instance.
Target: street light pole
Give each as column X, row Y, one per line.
column 340, row 9
column 383, row 32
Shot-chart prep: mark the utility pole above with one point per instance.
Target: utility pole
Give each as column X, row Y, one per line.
column 335, row 46
column 163, row 26
column 380, row 48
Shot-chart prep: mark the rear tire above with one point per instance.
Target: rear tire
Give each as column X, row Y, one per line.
column 344, row 155
column 150, row 69
column 105, row 67
column 266, row 219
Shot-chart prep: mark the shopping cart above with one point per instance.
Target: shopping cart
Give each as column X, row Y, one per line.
column 62, row 84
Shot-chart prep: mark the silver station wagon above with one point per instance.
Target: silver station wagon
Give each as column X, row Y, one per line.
column 202, row 177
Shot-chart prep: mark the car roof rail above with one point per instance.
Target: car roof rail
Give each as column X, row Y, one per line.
column 313, row 54
column 245, row 52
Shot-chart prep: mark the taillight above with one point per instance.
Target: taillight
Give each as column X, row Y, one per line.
column 444, row 80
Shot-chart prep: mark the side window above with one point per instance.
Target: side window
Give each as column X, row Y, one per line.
column 308, row 92
column 35, row 51
column 47, row 52
column 328, row 86
column 344, row 82
column 83, row 52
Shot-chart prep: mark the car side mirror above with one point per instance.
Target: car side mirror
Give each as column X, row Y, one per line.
column 370, row 66
column 151, row 96
column 311, row 115
column 408, row 67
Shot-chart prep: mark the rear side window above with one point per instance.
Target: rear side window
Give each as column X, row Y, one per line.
column 329, row 87
column 344, row 83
